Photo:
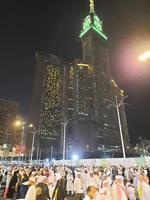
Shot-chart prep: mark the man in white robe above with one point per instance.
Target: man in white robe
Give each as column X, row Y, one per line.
column 78, row 186
column 91, row 180
column 69, row 185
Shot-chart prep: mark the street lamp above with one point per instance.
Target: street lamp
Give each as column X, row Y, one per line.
column 52, row 149
column 32, row 146
column 75, row 157
column 18, row 123
column 33, row 140
column 66, row 122
column 30, row 126
column 145, row 56
column 117, row 105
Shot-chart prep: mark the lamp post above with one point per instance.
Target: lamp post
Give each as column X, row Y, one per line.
column 19, row 123
column 32, row 146
column 20, row 126
column 33, row 140
column 117, row 105
column 52, row 148
column 66, row 122
column 120, row 127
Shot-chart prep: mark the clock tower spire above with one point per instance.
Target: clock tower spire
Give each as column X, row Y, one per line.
column 92, row 10
column 92, row 22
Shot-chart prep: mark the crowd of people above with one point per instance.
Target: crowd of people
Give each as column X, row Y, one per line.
column 82, row 182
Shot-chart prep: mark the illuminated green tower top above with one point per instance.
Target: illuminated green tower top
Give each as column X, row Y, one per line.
column 92, row 21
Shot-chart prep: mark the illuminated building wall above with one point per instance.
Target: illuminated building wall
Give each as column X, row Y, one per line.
column 80, row 99
column 96, row 53
column 80, row 106
column 77, row 92
column 94, row 123
column 49, row 100
column 52, row 102
column 8, row 112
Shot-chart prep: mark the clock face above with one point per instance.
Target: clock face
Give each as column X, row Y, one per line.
column 93, row 22
column 97, row 23
column 87, row 23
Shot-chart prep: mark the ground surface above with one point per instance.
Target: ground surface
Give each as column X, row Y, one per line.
column 68, row 198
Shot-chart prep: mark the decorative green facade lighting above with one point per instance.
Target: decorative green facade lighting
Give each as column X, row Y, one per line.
column 94, row 24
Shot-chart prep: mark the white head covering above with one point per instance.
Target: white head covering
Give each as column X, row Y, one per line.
column 91, row 171
column 32, row 178
column 102, row 191
column 58, row 176
column 39, row 179
column 119, row 177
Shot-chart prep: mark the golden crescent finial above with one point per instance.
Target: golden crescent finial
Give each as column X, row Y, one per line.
column 92, row 6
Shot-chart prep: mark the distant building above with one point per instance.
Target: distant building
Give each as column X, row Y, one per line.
column 79, row 94
column 8, row 112
column 19, row 131
column 48, row 101
column 143, row 146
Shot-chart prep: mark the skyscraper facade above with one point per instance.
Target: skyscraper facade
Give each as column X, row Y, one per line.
column 79, row 95
column 48, row 101
column 95, row 120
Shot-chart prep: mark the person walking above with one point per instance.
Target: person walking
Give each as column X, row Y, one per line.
column 118, row 189
column 69, row 186
column 12, row 184
column 146, row 188
column 91, row 193
column 42, row 191
column 60, row 188
column 78, row 186
column 31, row 193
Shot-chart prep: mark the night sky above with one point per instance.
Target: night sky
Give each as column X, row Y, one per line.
column 27, row 26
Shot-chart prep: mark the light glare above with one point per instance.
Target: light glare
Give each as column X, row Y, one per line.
column 75, row 157
column 30, row 125
column 145, row 56
column 18, row 123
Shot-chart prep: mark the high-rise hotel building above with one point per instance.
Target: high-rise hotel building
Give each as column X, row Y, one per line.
column 48, row 100
column 80, row 93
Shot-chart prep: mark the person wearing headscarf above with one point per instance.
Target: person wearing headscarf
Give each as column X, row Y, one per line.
column 42, row 191
column 12, row 184
column 69, row 185
column 60, row 188
column 118, row 189
column 145, row 188
column 91, row 179
column 91, row 192
column 107, row 189
column 131, row 190
column 51, row 182
column 31, row 193
column 139, row 187
column 23, row 186
column 9, row 176
column 78, row 186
